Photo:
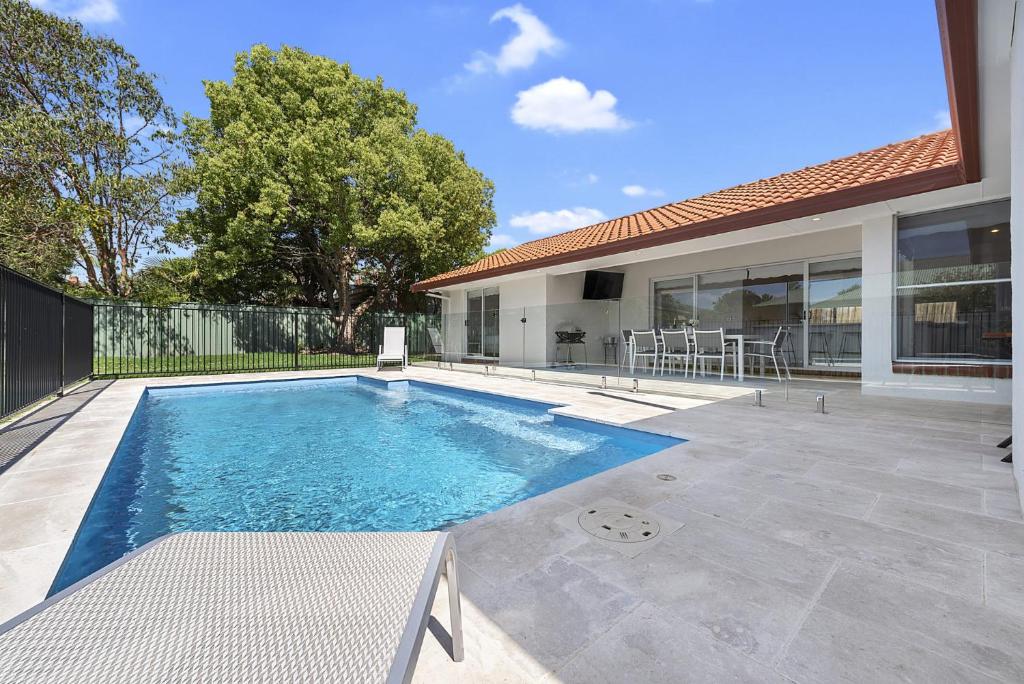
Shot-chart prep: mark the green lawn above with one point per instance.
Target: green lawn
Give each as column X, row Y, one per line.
column 113, row 366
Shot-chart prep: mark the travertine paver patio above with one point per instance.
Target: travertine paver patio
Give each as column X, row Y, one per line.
column 879, row 542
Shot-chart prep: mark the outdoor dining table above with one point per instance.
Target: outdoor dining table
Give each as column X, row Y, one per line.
column 738, row 339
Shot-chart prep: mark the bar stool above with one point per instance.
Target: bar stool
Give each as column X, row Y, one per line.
column 853, row 349
column 822, row 348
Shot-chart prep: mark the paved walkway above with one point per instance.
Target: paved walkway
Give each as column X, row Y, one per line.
column 18, row 438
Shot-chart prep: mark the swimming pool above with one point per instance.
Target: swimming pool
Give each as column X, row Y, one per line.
column 338, row 454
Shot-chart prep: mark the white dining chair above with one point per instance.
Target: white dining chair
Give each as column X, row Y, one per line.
column 645, row 346
column 711, row 345
column 627, row 348
column 771, row 349
column 675, row 346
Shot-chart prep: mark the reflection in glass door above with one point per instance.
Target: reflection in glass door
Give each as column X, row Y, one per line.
column 482, row 322
column 834, row 313
column 773, row 298
column 491, row 322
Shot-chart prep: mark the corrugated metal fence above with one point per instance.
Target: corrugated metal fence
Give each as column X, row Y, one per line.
column 135, row 339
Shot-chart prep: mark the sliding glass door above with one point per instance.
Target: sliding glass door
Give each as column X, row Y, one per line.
column 817, row 302
column 834, row 313
column 482, row 307
column 773, row 298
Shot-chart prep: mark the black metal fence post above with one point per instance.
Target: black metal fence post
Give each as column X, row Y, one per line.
column 63, row 342
column 295, row 336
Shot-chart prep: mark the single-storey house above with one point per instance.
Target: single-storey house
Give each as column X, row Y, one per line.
column 892, row 265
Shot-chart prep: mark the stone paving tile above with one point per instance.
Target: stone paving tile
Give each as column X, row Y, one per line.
column 968, row 473
column 979, row 531
column 40, row 521
column 832, row 647
column 854, row 453
column 36, row 484
column 828, row 495
column 783, row 564
column 897, row 485
column 512, row 541
column 780, row 460
column 752, row 616
column 635, row 487
column 718, row 500
column 949, row 567
column 963, row 631
column 576, row 606
column 1004, row 584
column 655, row 646
column 1003, row 505
column 25, row 575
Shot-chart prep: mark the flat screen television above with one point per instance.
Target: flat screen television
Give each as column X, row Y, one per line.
column 602, row 285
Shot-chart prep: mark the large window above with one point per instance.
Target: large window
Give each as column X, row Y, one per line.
column 757, row 301
column 953, row 285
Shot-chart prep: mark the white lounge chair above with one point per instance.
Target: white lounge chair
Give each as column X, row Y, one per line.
column 243, row 607
column 394, row 349
column 437, row 342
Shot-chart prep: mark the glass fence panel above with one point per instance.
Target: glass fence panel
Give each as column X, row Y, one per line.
column 825, row 328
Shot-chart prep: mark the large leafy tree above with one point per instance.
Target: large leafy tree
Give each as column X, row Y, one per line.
column 86, row 152
column 310, row 179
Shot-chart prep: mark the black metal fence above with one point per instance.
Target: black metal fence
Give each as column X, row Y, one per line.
column 46, row 344
column 134, row 339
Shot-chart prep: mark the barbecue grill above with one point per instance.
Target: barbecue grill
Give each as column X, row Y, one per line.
column 570, row 336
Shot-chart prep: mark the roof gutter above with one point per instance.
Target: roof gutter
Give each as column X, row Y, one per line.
column 958, row 34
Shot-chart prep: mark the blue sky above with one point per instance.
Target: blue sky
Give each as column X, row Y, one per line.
column 585, row 110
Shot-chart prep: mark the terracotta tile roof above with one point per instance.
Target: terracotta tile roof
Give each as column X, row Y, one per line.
column 928, row 162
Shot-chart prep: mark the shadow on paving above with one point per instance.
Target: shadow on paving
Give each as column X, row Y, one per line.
column 20, row 437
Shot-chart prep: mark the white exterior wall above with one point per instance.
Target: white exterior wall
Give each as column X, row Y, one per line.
column 1017, row 232
column 554, row 301
column 523, row 298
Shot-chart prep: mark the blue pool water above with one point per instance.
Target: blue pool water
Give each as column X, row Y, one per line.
column 334, row 454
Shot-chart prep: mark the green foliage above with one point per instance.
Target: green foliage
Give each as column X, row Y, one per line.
column 309, row 179
column 86, row 152
column 167, row 281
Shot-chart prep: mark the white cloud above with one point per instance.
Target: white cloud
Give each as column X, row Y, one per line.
column 86, row 11
column 641, row 191
column 942, row 120
column 548, row 222
column 522, row 50
column 563, row 105
column 501, row 241
column 577, row 179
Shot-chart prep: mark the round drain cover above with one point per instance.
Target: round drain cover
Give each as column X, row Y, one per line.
column 618, row 525
column 666, row 477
